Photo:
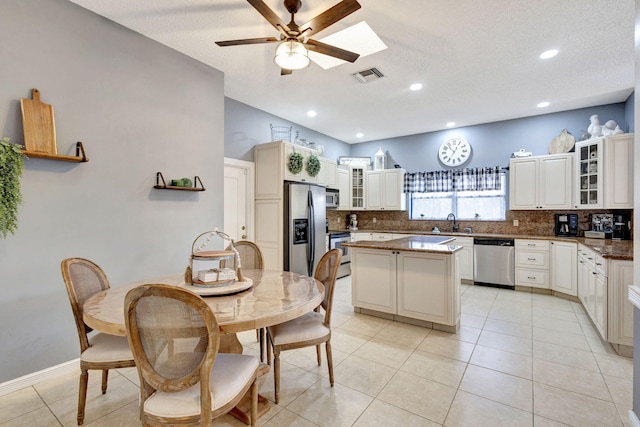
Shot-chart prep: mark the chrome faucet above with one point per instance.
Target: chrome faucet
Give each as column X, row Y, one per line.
column 450, row 217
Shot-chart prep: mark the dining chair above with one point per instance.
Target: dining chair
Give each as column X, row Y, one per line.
column 84, row 279
column 175, row 339
column 251, row 258
column 311, row 329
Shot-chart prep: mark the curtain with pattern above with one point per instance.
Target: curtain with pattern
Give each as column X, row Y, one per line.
column 470, row 179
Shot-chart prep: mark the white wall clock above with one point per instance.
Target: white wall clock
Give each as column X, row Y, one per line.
column 454, row 152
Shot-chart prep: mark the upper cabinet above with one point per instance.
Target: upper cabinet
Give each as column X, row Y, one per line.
column 384, row 190
column 604, row 173
column 589, row 166
column 541, row 182
column 274, row 165
column 618, row 171
column 342, row 177
column 356, row 194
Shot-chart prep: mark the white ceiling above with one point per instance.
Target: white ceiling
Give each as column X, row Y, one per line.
column 477, row 60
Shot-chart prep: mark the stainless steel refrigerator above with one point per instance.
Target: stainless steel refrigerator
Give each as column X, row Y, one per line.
column 304, row 227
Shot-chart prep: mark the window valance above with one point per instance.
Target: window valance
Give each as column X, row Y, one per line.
column 470, row 179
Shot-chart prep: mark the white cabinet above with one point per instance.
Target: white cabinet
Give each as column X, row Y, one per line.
column 604, row 173
column 272, row 168
column 373, row 274
column 356, row 195
column 564, row 267
column 466, row 256
column 416, row 285
column 342, row 178
column 384, row 190
column 620, row 315
column 593, row 287
column 361, row 236
column 427, row 285
column 618, row 171
column 328, row 173
column 303, row 175
column 532, row 263
column 380, row 237
column 589, row 167
column 541, row 182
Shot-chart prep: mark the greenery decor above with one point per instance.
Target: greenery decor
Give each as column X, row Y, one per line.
column 295, row 162
column 11, row 164
column 313, row 165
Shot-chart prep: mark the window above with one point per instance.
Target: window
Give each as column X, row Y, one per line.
column 488, row 205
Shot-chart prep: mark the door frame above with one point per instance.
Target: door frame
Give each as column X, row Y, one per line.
column 249, row 167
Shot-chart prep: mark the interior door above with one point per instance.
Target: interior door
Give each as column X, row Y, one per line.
column 238, row 199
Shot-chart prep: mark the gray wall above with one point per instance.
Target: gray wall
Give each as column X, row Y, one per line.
column 139, row 108
column 245, row 126
column 493, row 143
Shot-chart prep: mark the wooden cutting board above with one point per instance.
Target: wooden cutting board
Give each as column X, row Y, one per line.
column 38, row 125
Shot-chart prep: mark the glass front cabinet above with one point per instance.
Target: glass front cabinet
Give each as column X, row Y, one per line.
column 589, row 179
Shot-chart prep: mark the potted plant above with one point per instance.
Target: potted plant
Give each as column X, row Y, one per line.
column 11, row 164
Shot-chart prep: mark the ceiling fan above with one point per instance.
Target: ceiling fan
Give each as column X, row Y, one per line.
column 294, row 42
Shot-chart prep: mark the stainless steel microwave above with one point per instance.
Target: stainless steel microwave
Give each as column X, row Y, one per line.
column 333, row 198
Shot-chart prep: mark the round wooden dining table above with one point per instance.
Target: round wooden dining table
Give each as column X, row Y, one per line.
column 273, row 298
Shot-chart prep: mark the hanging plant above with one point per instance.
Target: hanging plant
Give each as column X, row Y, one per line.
column 313, row 165
column 295, row 162
column 11, row 164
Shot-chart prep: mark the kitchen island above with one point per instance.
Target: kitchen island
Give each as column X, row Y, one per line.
column 412, row 279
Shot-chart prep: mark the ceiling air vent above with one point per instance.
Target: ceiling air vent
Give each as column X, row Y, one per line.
column 368, row 75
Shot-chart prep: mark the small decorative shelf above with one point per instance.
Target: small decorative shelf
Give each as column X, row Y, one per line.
column 80, row 156
column 164, row 186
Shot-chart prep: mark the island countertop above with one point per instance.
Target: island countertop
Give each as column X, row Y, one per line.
column 433, row 244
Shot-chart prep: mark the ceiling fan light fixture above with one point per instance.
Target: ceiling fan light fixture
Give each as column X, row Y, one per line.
column 291, row 55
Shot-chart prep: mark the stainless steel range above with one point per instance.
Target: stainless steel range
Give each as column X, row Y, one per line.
column 336, row 239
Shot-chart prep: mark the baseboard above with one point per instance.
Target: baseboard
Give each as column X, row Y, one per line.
column 36, row 377
column 633, row 419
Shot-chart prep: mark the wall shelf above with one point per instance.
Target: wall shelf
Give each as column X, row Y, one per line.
column 80, row 156
column 164, row 186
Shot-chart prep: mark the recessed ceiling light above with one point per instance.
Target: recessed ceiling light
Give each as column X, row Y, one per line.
column 359, row 135
column 543, row 104
column 416, row 86
column 311, row 113
column 549, row 54
column 451, row 124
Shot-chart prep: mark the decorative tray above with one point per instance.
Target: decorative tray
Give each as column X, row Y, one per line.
column 219, row 290
column 200, row 284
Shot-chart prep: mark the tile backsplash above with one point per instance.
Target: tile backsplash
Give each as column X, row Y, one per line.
column 535, row 223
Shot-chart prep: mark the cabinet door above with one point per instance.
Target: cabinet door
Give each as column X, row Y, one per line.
column 589, row 167
column 269, row 232
column 465, row 262
column 618, row 173
column 564, row 267
column 331, row 172
column 425, row 286
column 555, row 176
column 373, row 279
column 375, row 189
column 288, row 150
column 342, row 176
column 523, row 184
column 356, row 188
column 600, row 304
column 620, row 308
column 394, row 197
column 583, row 277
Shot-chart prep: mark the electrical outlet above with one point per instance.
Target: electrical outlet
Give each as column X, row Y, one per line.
column 338, row 220
column 374, row 219
column 516, row 223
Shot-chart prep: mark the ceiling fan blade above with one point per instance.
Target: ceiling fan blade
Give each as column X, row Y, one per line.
column 285, row 72
column 269, row 15
column 327, row 49
column 329, row 17
column 248, row 41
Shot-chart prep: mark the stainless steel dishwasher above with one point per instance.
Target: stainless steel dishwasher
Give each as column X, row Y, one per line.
column 494, row 262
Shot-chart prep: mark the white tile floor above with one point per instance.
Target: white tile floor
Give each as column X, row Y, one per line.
column 520, row 359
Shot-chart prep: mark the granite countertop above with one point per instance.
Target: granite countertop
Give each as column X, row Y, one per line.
column 432, row 244
column 608, row 248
